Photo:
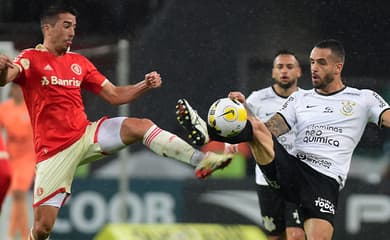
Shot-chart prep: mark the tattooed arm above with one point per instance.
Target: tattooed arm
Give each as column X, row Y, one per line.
column 277, row 125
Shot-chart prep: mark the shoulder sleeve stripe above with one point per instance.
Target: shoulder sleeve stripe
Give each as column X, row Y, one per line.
column 105, row 82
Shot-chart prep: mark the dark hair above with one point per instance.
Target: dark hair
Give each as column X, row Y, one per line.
column 49, row 16
column 286, row 52
column 335, row 46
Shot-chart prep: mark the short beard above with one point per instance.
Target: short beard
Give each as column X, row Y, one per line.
column 286, row 85
column 326, row 81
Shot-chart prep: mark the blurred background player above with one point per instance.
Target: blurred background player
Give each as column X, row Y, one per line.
column 280, row 218
column 14, row 119
column 5, row 172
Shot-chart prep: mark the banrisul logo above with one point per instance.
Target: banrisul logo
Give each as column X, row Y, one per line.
column 324, row 205
column 54, row 80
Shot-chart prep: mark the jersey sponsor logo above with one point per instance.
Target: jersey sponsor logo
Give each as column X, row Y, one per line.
column 315, row 134
column 76, row 68
column 44, row 81
column 48, row 68
column 347, row 108
column 381, row 102
column 324, row 205
column 313, row 128
column 328, row 110
column 313, row 159
column 54, row 80
column 321, row 139
column 289, row 100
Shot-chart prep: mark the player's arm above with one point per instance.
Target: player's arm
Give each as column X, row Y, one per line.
column 386, row 118
column 117, row 95
column 277, row 125
column 8, row 70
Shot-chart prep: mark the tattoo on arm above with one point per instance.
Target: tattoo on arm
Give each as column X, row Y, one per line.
column 277, row 125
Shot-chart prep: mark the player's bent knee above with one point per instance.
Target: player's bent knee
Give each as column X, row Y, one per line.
column 136, row 127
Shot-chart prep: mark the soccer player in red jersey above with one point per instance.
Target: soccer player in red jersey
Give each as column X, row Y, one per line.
column 5, row 172
column 19, row 143
column 51, row 78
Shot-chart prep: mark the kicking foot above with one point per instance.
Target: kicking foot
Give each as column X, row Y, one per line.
column 212, row 162
column 192, row 122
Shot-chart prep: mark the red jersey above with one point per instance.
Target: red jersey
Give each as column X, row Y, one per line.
column 52, row 91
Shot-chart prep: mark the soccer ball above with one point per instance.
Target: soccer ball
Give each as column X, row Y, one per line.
column 227, row 116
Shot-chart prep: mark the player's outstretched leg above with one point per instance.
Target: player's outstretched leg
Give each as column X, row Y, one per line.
column 212, row 162
column 169, row 145
column 192, row 122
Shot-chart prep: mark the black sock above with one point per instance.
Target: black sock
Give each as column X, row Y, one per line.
column 246, row 135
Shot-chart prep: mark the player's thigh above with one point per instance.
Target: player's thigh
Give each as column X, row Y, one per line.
column 134, row 129
column 316, row 228
column 272, row 210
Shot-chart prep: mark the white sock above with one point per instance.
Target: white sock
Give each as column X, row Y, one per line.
column 169, row 145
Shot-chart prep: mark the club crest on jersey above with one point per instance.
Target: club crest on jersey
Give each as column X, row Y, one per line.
column 76, row 68
column 347, row 108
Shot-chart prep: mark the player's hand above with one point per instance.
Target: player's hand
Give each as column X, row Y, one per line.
column 153, row 80
column 237, row 95
column 5, row 62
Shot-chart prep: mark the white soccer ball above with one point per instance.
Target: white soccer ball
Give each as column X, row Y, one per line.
column 227, row 116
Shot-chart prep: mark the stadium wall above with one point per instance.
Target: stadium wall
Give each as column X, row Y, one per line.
column 363, row 211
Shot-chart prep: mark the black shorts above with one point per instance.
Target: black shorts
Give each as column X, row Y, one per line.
column 314, row 192
column 277, row 214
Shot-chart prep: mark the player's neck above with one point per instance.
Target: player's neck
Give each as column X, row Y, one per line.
column 50, row 48
column 284, row 92
column 335, row 86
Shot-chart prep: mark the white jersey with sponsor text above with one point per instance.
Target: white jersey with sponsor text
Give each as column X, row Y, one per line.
column 329, row 127
column 264, row 103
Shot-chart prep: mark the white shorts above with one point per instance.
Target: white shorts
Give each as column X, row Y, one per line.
column 54, row 176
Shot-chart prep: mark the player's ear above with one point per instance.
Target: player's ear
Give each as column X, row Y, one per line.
column 44, row 27
column 339, row 67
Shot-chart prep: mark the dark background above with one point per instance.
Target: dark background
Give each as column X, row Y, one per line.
column 204, row 49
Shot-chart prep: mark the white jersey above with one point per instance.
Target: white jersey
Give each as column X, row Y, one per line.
column 264, row 103
column 329, row 127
